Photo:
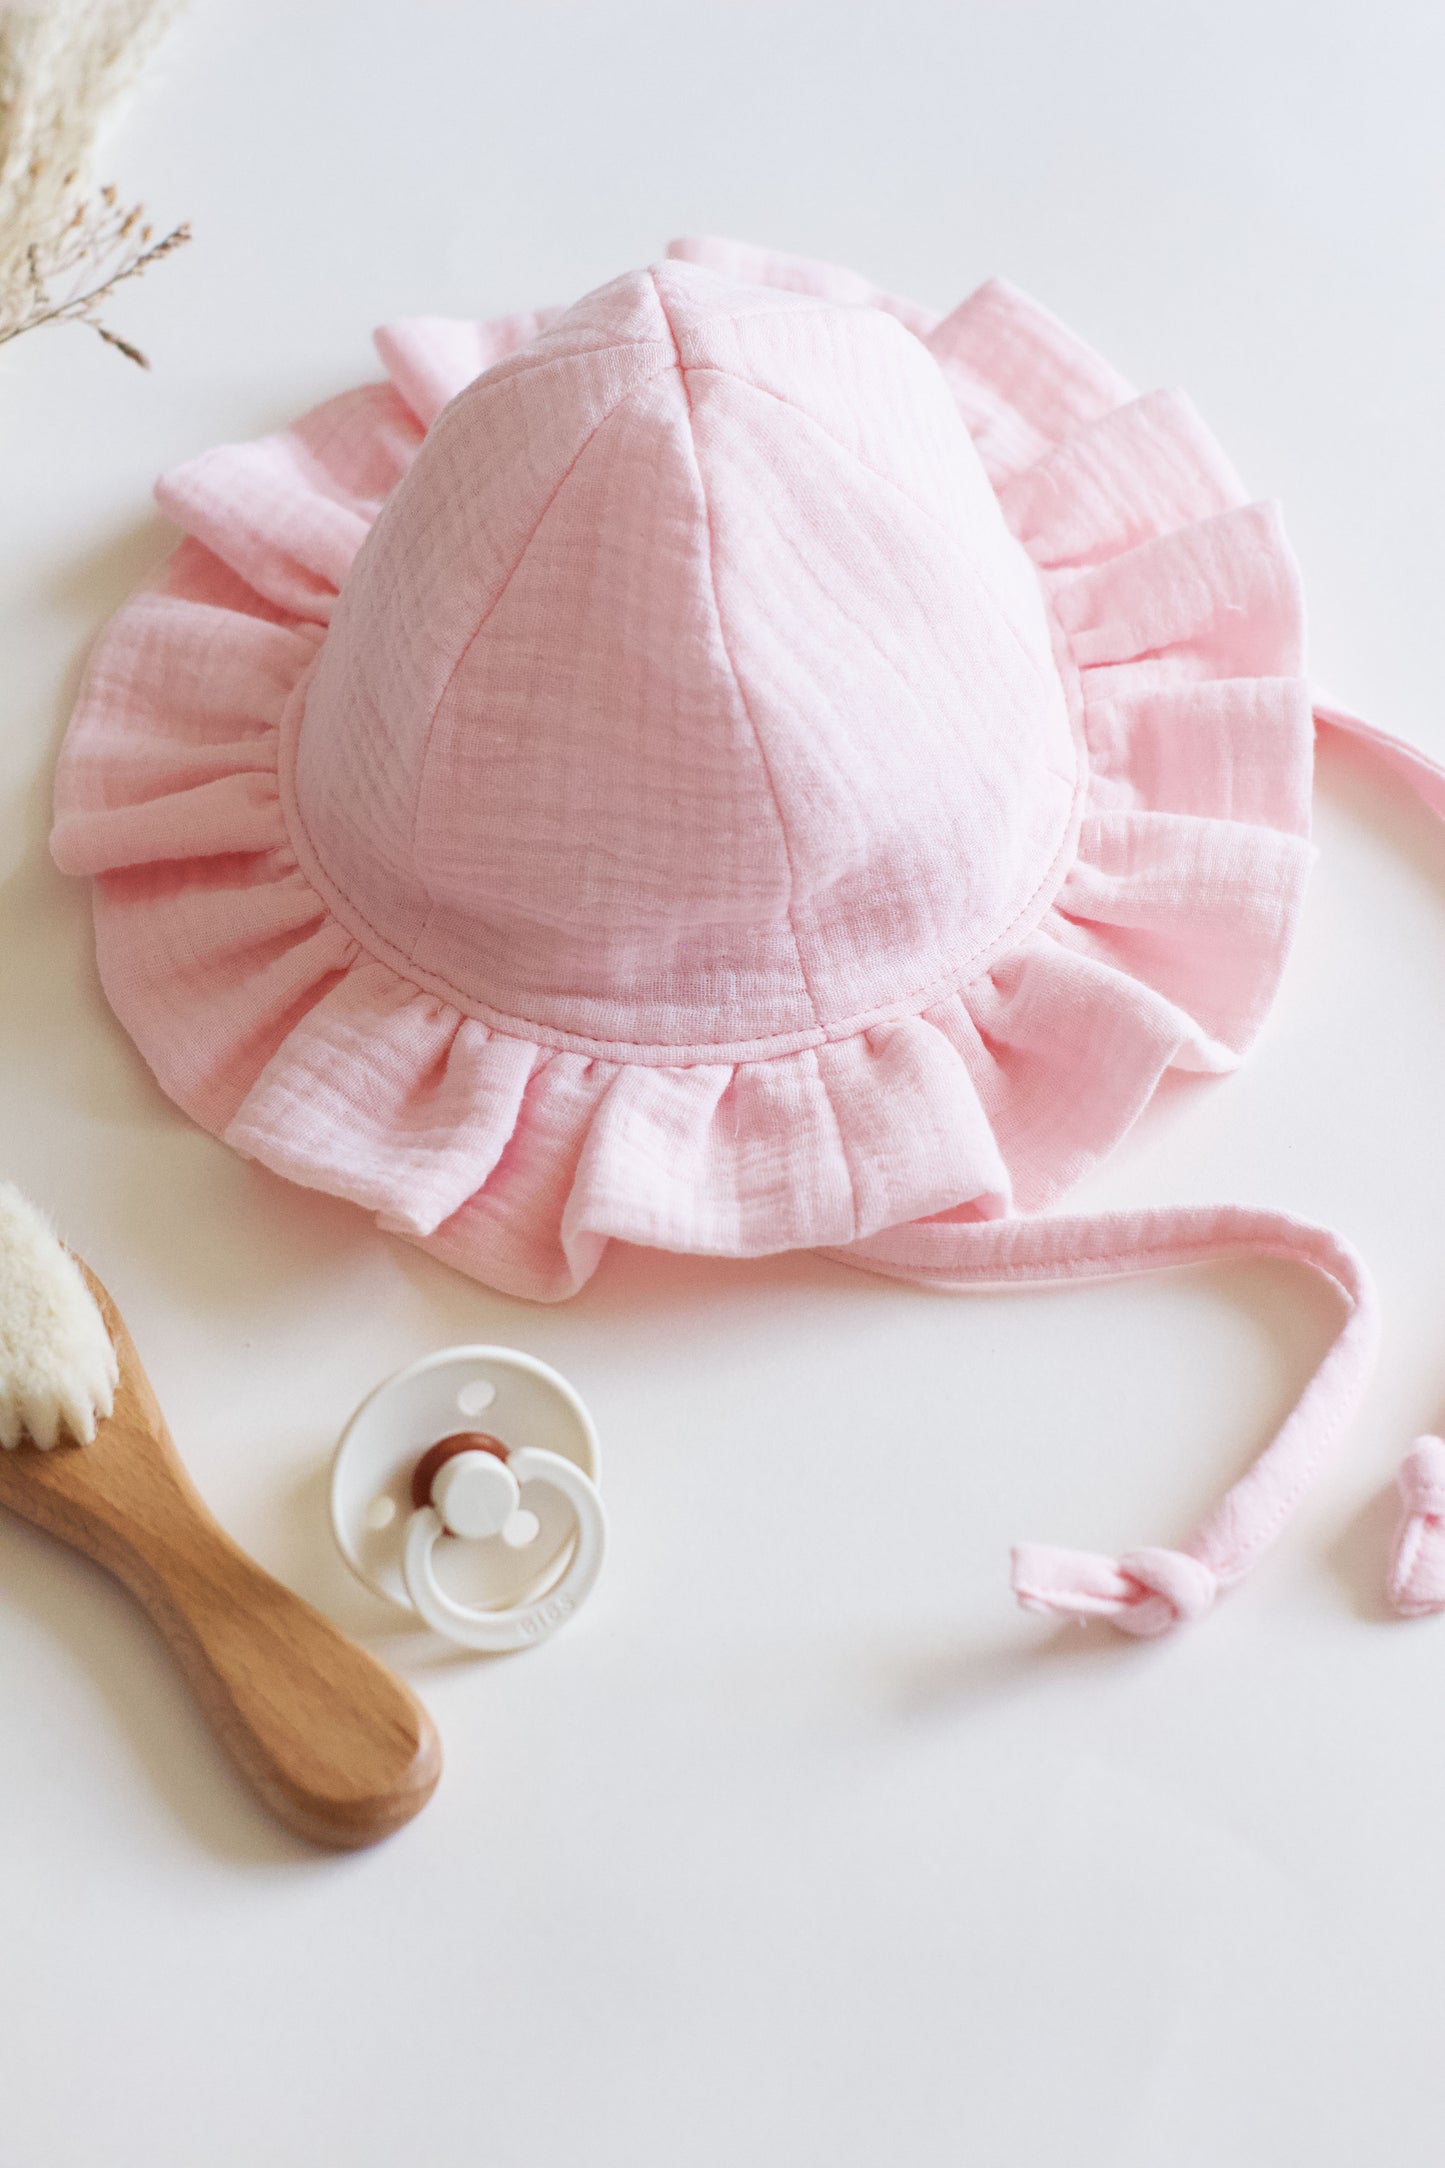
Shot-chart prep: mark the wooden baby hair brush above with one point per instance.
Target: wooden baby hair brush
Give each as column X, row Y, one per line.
column 331, row 1741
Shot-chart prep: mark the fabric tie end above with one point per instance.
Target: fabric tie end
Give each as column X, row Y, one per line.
column 1144, row 1593
column 1417, row 1562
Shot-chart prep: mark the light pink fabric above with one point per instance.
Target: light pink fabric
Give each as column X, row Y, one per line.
column 1417, row 1561
column 742, row 764
column 782, row 766
column 1147, row 1591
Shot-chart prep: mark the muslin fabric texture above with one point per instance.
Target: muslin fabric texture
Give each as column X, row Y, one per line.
column 742, row 764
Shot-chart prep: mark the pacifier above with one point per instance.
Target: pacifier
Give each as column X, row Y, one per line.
column 464, row 1489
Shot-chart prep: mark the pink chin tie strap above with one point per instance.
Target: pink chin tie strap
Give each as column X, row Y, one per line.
column 1416, row 1580
column 1149, row 1591
column 1152, row 1590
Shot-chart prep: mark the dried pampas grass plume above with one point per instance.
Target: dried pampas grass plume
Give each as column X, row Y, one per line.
column 65, row 245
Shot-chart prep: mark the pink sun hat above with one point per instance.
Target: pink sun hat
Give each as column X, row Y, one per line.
column 743, row 764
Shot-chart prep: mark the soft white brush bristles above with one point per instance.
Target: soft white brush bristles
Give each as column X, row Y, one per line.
column 58, row 1370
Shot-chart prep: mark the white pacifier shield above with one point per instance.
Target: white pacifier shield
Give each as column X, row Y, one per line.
column 527, row 1535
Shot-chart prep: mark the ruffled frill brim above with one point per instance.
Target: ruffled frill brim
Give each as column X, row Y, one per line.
column 517, row 1161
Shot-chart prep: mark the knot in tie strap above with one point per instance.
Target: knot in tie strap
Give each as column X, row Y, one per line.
column 1179, row 1589
column 1144, row 1593
column 1417, row 1564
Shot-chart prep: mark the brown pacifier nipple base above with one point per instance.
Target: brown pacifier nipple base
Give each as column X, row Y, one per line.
column 435, row 1458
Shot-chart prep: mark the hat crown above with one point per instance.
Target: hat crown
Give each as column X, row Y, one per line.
column 690, row 692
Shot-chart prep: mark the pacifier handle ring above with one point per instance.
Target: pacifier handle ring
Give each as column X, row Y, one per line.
column 522, row 1624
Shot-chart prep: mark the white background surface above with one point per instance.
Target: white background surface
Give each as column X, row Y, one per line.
column 801, row 1847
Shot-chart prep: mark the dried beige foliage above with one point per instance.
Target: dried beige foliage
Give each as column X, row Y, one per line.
column 65, row 245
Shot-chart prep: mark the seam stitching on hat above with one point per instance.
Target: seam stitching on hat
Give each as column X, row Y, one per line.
column 954, row 540
column 480, row 627
column 743, row 701
column 1049, row 614
column 952, row 984
column 917, row 1002
column 780, row 272
column 521, row 361
column 762, row 756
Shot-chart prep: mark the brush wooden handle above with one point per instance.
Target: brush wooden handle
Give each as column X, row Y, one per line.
column 334, row 1743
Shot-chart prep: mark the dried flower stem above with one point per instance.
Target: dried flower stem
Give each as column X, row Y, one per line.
column 107, row 247
column 65, row 246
